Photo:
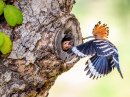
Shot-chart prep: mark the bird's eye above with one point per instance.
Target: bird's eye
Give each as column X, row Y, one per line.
column 95, row 35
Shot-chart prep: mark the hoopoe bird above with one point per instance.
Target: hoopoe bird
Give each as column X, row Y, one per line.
column 104, row 55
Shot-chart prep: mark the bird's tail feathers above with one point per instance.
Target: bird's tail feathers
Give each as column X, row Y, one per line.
column 116, row 64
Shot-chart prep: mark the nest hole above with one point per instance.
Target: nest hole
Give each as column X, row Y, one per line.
column 69, row 32
column 64, row 35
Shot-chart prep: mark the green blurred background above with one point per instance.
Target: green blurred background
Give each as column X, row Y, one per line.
column 75, row 83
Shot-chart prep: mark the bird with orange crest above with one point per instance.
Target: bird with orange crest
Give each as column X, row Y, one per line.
column 104, row 55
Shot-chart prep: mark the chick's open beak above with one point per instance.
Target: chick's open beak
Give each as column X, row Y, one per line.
column 66, row 45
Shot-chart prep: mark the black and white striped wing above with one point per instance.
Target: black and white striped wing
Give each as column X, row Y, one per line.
column 83, row 50
column 97, row 46
column 105, row 56
column 104, row 48
column 98, row 66
column 105, row 59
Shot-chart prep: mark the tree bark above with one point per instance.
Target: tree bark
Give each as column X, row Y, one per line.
column 37, row 58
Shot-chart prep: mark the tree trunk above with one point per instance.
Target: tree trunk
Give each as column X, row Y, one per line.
column 37, row 58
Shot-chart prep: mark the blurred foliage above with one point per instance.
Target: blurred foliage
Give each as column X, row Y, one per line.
column 116, row 14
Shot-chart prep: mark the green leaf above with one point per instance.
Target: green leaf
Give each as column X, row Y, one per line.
column 2, row 5
column 7, row 45
column 12, row 15
column 1, row 40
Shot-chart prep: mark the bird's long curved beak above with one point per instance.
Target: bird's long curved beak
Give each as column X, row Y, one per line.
column 88, row 37
column 71, row 42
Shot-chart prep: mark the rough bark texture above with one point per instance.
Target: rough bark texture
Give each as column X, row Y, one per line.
column 37, row 58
